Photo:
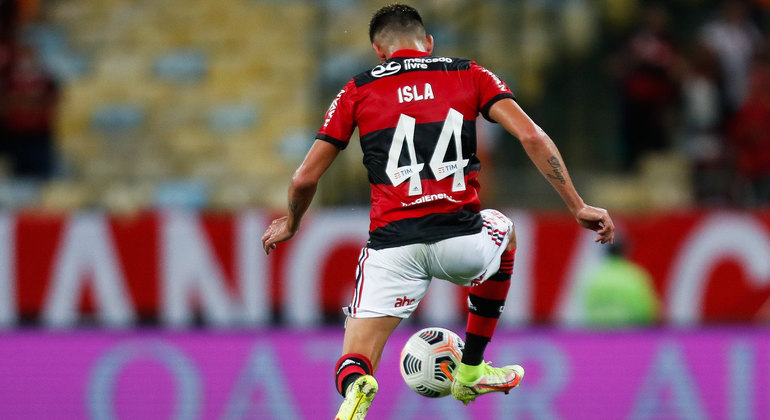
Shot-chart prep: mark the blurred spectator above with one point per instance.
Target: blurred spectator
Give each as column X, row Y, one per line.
column 27, row 113
column 649, row 86
column 620, row 292
column 703, row 125
column 734, row 39
column 8, row 23
column 749, row 135
column 9, row 12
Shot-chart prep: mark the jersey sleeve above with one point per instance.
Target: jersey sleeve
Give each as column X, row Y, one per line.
column 339, row 121
column 490, row 89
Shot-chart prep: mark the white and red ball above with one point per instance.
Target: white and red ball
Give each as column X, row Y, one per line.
column 429, row 359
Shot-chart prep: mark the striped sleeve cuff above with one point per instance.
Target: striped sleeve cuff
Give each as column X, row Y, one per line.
column 488, row 105
column 336, row 142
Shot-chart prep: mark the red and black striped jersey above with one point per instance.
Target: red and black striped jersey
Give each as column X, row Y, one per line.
column 416, row 117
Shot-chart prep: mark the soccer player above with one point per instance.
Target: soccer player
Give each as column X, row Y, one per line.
column 416, row 115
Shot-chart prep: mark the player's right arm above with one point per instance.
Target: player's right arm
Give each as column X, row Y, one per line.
column 546, row 157
column 301, row 192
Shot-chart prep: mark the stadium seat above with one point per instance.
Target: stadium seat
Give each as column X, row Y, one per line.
column 181, row 193
column 181, row 65
column 66, row 196
column 667, row 177
column 228, row 118
column 126, row 198
column 180, row 101
column 19, row 194
column 115, row 119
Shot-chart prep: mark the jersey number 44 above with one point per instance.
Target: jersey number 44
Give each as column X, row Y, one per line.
column 404, row 133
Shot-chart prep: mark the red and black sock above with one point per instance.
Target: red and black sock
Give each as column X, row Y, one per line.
column 486, row 302
column 350, row 367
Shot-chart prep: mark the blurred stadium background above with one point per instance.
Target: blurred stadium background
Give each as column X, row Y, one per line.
column 145, row 145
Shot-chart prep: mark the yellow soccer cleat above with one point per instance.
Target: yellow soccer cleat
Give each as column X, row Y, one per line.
column 492, row 379
column 358, row 398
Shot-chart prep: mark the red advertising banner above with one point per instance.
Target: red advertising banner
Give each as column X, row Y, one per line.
column 177, row 268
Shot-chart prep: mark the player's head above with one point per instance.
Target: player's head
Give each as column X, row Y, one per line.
column 395, row 27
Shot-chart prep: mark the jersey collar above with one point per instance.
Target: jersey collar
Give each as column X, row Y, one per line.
column 409, row 53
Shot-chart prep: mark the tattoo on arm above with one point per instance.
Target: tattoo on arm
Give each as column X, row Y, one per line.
column 557, row 174
column 293, row 206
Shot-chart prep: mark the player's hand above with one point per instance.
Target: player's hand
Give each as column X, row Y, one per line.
column 278, row 231
column 598, row 220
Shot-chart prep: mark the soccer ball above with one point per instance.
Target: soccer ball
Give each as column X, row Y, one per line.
column 429, row 359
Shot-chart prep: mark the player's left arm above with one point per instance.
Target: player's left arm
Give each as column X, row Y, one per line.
column 301, row 192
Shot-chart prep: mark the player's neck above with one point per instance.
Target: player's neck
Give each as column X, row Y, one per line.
column 404, row 44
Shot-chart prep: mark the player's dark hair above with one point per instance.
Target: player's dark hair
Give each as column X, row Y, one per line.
column 398, row 17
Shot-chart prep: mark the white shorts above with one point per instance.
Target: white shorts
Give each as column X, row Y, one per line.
column 393, row 281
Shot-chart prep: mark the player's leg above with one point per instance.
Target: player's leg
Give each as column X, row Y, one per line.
column 362, row 348
column 486, row 301
column 389, row 286
column 485, row 261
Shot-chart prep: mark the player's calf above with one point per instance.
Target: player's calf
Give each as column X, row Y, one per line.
column 486, row 302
